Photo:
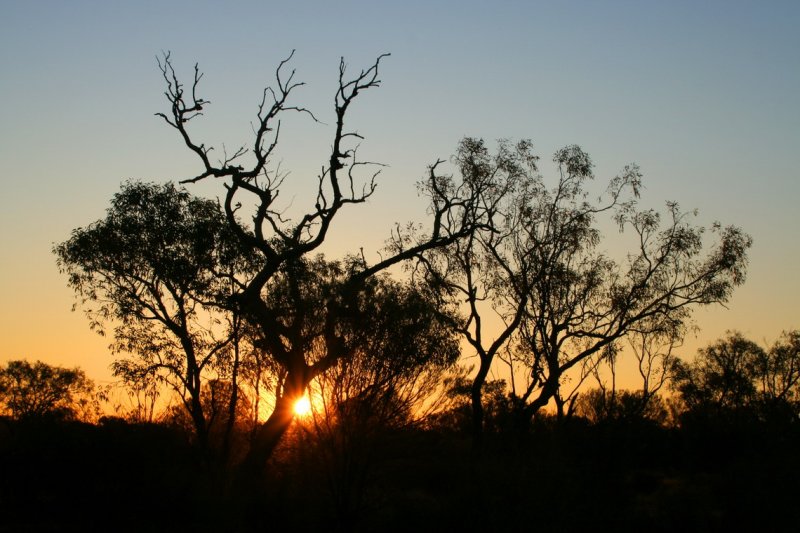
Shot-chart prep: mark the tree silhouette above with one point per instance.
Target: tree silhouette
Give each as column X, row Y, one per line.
column 225, row 433
column 484, row 268
column 657, row 367
column 723, row 376
column 734, row 376
column 37, row 390
column 600, row 405
column 398, row 347
column 279, row 243
column 779, row 374
column 536, row 264
column 159, row 270
column 581, row 302
column 456, row 413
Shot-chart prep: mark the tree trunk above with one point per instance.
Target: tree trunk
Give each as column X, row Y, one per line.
column 477, row 404
column 270, row 433
column 199, row 421
column 234, row 399
column 549, row 390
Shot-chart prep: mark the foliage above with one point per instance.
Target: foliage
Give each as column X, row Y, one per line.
column 399, row 347
column 393, row 338
column 581, row 302
column 456, row 413
column 160, row 269
column 564, row 304
column 779, row 372
column 396, row 349
column 598, row 405
column 37, row 390
column 723, row 375
column 280, row 242
column 735, row 375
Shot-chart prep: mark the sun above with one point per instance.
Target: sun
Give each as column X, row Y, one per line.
column 302, row 407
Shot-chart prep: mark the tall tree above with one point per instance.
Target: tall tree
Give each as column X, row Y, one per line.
column 280, row 242
column 582, row 302
column 158, row 269
column 486, row 273
column 536, row 264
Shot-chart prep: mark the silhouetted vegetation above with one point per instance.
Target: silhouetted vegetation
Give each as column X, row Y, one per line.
column 625, row 472
column 564, row 303
column 159, row 270
column 223, row 317
column 736, row 379
column 40, row 390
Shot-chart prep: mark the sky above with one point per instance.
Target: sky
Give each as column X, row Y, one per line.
column 701, row 95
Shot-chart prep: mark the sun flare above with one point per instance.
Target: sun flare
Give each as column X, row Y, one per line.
column 302, row 407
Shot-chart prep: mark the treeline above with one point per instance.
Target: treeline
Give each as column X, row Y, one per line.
column 717, row 451
column 733, row 380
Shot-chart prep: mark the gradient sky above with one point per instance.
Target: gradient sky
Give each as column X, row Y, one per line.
column 702, row 95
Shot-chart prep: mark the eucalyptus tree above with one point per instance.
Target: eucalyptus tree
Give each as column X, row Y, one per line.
column 582, row 302
column 657, row 366
column 31, row 390
column 562, row 302
column 158, row 270
column 779, row 372
column 734, row 374
column 396, row 349
column 486, row 275
column 279, row 242
column 398, row 346
column 723, row 375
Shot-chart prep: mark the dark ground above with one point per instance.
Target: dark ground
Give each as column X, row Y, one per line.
column 60, row 476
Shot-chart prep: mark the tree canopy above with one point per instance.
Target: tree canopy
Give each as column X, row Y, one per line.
column 186, row 281
column 563, row 300
column 160, row 269
column 735, row 376
column 278, row 242
column 29, row 390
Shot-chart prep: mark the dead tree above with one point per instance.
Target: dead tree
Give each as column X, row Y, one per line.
column 280, row 242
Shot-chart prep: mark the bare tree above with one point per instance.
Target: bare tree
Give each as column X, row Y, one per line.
column 656, row 361
column 280, row 242
column 656, row 364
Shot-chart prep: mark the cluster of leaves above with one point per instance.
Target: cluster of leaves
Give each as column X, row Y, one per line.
column 735, row 376
column 160, row 268
column 36, row 390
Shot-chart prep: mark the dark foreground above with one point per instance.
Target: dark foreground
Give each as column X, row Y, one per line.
column 57, row 476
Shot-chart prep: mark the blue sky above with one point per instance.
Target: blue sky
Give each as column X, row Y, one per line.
column 702, row 95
